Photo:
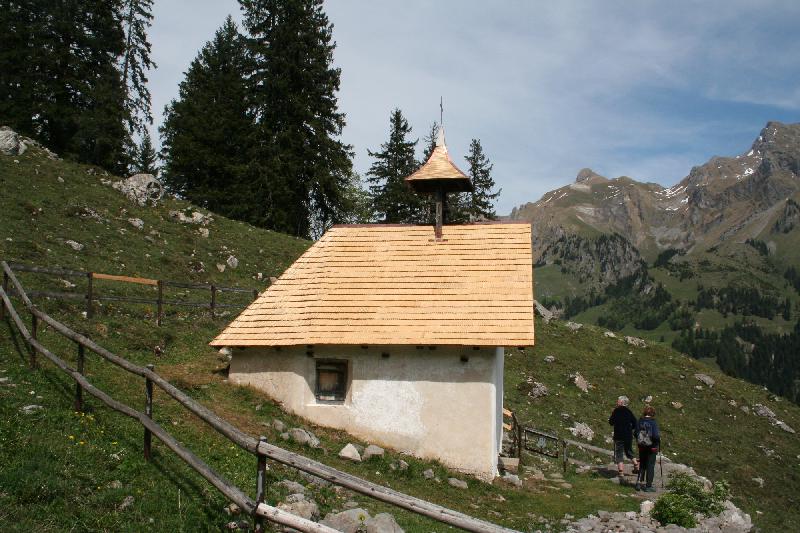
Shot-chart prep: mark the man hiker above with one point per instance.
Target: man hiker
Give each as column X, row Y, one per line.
column 624, row 425
column 648, row 438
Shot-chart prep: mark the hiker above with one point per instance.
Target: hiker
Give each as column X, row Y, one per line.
column 624, row 423
column 649, row 440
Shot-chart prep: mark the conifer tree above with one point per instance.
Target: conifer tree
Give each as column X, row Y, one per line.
column 135, row 62
column 480, row 204
column 145, row 161
column 393, row 201
column 429, row 142
column 209, row 129
column 300, row 166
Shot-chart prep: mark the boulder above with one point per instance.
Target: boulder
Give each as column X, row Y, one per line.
column 278, row 425
column 705, row 379
column 549, row 359
column 763, row 410
column 457, row 483
column 372, row 451
column 350, row 521
column 142, row 189
column 350, row 453
column 610, row 335
column 191, row 217
column 383, row 523
column 203, row 232
column 581, row 382
column 137, row 223
column 301, row 507
column 620, row 369
column 74, row 245
column 636, row 341
column 784, row 426
column 512, row 479
column 232, row 261
column 304, row 437
column 428, row 474
column 573, row 326
column 538, row 390
column 582, row 430
column 30, row 409
column 9, row 141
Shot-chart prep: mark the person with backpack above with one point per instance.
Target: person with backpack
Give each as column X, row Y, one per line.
column 624, row 423
column 648, row 439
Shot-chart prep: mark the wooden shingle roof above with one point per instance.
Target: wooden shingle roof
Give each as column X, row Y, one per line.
column 387, row 284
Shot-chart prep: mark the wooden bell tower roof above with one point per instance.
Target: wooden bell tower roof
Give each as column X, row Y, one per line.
column 439, row 173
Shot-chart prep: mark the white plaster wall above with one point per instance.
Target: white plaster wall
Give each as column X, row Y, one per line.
column 425, row 402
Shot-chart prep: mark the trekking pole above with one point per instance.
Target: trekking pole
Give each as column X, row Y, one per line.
column 661, row 463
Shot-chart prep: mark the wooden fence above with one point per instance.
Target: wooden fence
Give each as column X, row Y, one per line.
column 258, row 447
column 91, row 296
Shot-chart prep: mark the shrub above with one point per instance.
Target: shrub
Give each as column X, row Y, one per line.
column 687, row 497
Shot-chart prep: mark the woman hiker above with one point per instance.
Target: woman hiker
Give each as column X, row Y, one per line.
column 624, row 425
column 649, row 440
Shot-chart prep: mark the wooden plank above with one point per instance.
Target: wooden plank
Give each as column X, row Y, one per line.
column 506, row 412
column 507, row 427
column 125, row 279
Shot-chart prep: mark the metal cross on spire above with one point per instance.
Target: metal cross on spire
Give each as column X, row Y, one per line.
column 441, row 111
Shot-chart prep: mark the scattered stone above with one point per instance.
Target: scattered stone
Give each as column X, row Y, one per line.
column 646, row 508
column 543, row 312
column 759, row 481
column 350, row 504
column 745, row 409
column 298, row 505
column 350, row 452
column 284, row 436
column 9, row 141
column 74, row 245
column 137, row 223
column 763, row 410
column 549, row 359
column 143, row 189
column 784, row 426
column 581, row 382
column 457, row 483
column 402, row 465
column 676, row 405
column 30, row 409
column 620, row 369
column 203, row 232
column 573, row 326
column 428, row 474
column 314, row 480
column 636, row 341
column 278, row 425
column 705, row 379
column 127, row 502
column 350, row 521
column 538, row 390
column 648, row 399
column 232, row 509
column 610, row 335
column 582, row 430
column 67, row 284
column 220, row 267
column 304, row 437
column 292, row 486
column 193, row 217
column 116, row 484
column 372, row 451
column 383, row 523
column 512, row 479
column 232, row 261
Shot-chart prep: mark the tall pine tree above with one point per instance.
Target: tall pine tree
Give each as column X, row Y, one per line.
column 300, row 166
column 135, row 62
column 145, row 158
column 480, row 202
column 393, row 200
column 208, row 132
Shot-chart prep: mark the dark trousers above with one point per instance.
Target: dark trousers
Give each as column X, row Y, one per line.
column 647, row 466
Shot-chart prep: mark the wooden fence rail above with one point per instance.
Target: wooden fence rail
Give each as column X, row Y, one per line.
column 91, row 296
column 259, row 447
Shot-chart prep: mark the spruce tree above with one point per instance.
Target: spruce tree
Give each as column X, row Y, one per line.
column 393, row 200
column 209, row 129
column 480, row 205
column 145, row 161
column 135, row 62
column 300, row 166
column 429, row 142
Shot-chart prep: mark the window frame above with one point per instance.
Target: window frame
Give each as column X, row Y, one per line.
column 340, row 366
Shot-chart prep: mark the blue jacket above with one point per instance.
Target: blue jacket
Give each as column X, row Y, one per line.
column 651, row 425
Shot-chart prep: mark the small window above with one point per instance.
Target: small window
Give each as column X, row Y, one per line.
column 331, row 381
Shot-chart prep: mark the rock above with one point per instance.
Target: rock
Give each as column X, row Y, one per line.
column 232, row 509
column 646, row 508
column 759, row 481
column 30, row 409
column 304, row 437
column 676, row 405
column 582, row 430
column 402, row 465
column 292, row 486
column 143, row 189
column 457, row 483
column 705, row 379
column 610, row 335
column 784, row 426
column 203, row 232
column 573, row 326
column 220, row 267
column 636, row 341
column 428, row 474
column 294, row 498
column 301, row 507
column 732, row 403
column 512, row 479
column 137, row 223
column 543, row 312
column 314, row 480
column 538, row 390
column 232, row 261
column 383, row 523
column 581, row 382
column 284, row 436
column 549, row 359
column 350, row 521
column 350, row 452
column 372, row 451
column 648, row 399
column 620, row 369
column 191, row 217
column 116, row 484
column 74, row 245
column 127, row 502
column 509, row 464
column 9, row 141
column 745, row 409
column 278, row 425
column 763, row 410
column 350, row 504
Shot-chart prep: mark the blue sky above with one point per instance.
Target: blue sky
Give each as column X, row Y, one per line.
column 645, row 89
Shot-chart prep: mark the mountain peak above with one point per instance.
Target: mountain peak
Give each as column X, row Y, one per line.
column 587, row 175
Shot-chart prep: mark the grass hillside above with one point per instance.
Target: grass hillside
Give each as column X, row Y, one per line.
column 63, row 470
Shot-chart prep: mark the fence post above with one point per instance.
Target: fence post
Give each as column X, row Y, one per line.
column 213, row 299
column 255, row 294
column 78, row 388
column 34, row 331
column 564, row 448
column 5, row 290
column 261, row 475
column 89, row 294
column 148, row 411
column 160, row 303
